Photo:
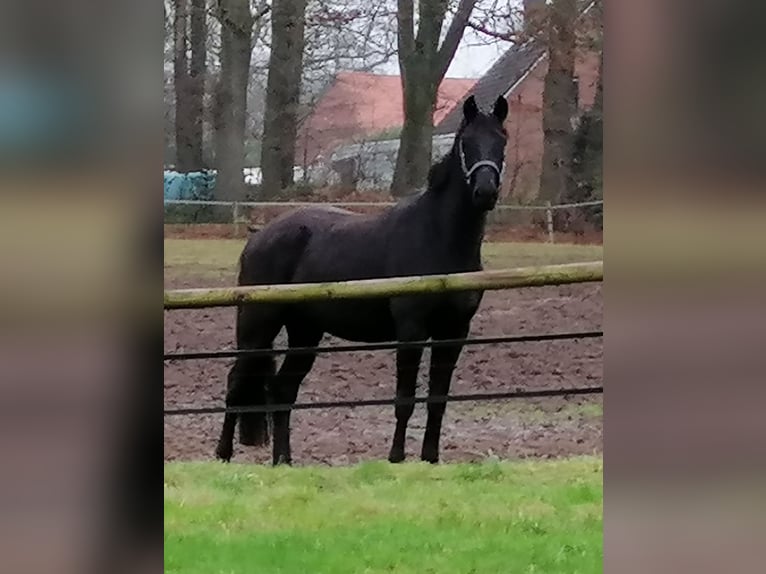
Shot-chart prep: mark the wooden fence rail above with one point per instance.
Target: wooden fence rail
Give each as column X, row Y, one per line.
column 371, row 288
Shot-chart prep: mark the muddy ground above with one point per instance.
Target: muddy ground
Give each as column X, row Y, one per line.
column 472, row 431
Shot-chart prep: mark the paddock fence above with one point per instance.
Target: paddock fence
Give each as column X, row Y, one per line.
column 239, row 214
column 522, row 277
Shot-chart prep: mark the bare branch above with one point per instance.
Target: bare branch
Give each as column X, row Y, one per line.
column 454, row 35
column 509, row 36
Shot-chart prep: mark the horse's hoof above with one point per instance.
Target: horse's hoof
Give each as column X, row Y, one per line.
column 432, row 457
column 396, row 457
column 224, row 452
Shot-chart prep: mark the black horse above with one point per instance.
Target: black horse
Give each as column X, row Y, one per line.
column 438, row 231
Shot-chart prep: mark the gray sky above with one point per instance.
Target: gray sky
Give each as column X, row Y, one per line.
column 472, row 59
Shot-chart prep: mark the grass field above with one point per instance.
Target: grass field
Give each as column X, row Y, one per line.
column 494, row 517
column 217, row 258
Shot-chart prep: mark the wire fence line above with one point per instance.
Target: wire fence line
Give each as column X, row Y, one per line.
column 503, row 279
column 238, row 217
column 233, row 353
column 268, row 204
column 476, row 397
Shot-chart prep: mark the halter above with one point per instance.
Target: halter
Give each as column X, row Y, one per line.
column 484, row 162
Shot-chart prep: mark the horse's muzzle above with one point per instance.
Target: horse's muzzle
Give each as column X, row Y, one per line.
column 485, row 189
column 485, row 198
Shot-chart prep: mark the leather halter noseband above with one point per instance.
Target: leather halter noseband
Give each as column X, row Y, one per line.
column 481, row 163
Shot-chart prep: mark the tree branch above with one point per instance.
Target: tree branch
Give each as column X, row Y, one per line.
column 453, row 37
column 509, row 36
column 264, row 9
column 405, row 30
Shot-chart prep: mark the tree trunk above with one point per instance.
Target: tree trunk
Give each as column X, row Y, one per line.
column 414, row 157
column 559, row 103
column 184, row 119
column 197, row 71
column 423, row 64
column 587, row 159
column 231, row 98
column 283, row 88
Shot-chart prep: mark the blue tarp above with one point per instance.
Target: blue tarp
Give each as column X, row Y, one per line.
column 194, row 185
column 40, row 113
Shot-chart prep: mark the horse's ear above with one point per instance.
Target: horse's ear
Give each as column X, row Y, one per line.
column 470, row 109
column 500, row 111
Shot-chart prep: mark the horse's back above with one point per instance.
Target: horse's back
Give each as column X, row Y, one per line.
column 272, row 254
column 323, row 244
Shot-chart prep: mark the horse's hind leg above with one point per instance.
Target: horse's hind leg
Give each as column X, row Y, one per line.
column 245, row 387
column 443, row 361
column 225, row 447
column 257, row 326
column 294, row 369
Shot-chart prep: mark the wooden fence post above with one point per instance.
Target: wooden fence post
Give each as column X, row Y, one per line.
column 549, row 219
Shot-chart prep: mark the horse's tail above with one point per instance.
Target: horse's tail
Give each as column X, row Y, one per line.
column 268, row 258
column 246, row 387
column 256, row 328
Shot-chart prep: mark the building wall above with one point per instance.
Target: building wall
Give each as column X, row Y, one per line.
column 521, row 178
column 361, row 107
column 370, row 165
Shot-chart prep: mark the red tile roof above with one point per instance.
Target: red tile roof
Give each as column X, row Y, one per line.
column 359, row 104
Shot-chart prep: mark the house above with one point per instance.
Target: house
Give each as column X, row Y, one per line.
column 519, row 75
column 357, row 107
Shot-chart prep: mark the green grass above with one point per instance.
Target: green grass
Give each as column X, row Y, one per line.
column 502, row 255
column 493, row 517
column 527, row 412
column 217, row 258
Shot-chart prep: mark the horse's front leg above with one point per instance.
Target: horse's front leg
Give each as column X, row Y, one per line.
column 407, row 365
column 443, row 361
column 284, row 391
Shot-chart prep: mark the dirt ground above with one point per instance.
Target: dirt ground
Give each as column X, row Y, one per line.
column 472, row 431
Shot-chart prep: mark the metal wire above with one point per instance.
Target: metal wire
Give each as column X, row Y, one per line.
column 381, row 204
column 387, row 402
column 380, row 346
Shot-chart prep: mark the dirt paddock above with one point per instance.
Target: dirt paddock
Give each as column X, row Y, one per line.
column 472, row 431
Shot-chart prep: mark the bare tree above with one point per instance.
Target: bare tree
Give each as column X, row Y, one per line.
column 347, row 34
column 236, row 20
column 197, row 70
column 189, row 32
column 283, row 88
column 509, row 20
column 423, row 63
column 587, row 157
column 183, row 118
column 559, row 103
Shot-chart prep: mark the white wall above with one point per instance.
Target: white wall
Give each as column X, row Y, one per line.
column 374, row 162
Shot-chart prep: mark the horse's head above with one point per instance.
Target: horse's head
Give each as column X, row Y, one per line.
column 481, row 148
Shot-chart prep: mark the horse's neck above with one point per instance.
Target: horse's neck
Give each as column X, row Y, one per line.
column 459, row 222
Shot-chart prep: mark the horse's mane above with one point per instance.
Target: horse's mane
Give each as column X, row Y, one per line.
column 438, row 175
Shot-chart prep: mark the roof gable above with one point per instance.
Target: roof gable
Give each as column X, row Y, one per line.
column 504, row 76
